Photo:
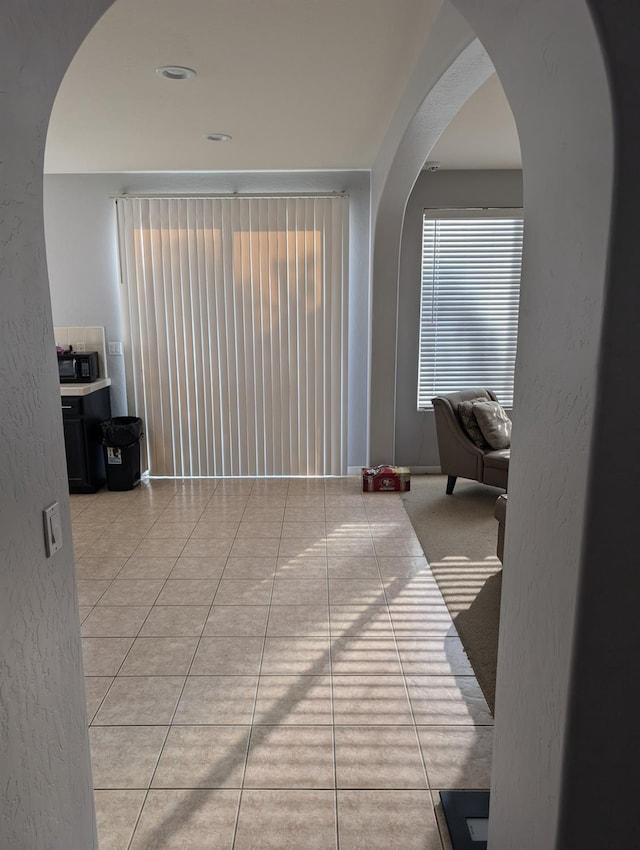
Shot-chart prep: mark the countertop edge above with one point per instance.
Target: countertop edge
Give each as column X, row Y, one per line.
column 84, row 389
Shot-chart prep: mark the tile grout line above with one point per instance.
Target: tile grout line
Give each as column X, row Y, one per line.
column 406, row 686
column 169, row 725
column 162, row 747
column 166, row 736
column 371, row 519
column 336, row 810
column 253, row 716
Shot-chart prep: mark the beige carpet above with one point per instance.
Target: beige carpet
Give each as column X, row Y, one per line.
column 458, row 534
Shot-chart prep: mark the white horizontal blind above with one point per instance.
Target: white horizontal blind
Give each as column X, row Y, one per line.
column 469, row 302
column 236, row 317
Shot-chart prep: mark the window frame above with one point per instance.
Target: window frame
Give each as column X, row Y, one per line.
column 442, row 290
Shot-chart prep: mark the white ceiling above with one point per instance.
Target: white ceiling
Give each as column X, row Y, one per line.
column 298, row 84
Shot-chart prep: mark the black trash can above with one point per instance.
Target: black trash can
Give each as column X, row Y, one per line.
column 121, row 445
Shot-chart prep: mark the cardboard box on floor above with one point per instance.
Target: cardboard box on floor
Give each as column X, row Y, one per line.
column 386, row 479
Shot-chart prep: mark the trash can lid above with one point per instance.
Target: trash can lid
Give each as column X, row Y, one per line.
column 121, row 431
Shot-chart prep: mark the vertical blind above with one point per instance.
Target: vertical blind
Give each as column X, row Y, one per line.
column 470, row 291
column 235, row 313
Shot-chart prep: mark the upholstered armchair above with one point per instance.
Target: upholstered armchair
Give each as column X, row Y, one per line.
column 460, row 457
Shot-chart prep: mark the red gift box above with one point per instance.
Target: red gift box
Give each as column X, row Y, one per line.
column 386, row 479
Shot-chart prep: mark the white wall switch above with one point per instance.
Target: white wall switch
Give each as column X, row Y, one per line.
column 80, row 346
column 52, row 529
column 115, row 348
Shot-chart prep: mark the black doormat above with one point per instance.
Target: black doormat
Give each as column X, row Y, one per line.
column 467, row 815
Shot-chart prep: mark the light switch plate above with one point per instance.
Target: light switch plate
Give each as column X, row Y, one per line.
column 115, row 348
column 52, row 529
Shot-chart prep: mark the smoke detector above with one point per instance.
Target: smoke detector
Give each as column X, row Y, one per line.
column 431, row 165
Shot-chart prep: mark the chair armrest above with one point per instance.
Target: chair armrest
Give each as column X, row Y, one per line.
column 459, row 456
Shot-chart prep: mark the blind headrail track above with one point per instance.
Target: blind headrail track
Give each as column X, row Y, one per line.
column 177, row 196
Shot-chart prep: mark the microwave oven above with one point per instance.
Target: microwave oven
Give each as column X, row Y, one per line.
column 78, row 367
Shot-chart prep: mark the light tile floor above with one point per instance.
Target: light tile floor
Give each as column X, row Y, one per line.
column 269, row 664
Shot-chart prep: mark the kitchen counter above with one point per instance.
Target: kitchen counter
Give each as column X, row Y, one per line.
column 84, row 408
column 84, row 389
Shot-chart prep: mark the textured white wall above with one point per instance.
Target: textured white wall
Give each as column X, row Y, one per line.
column 549, row 60
column 45, row 774
column 601, row 752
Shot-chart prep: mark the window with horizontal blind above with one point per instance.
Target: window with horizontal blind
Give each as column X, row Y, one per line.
column 471, row 263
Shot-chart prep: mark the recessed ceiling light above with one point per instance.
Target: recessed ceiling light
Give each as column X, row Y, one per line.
column 175, row 72
column 218, row 137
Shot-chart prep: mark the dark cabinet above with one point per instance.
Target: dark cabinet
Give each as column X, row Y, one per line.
column 81, row 418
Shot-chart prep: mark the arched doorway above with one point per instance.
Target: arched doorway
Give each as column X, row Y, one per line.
column 551, row 63
column 576, row 353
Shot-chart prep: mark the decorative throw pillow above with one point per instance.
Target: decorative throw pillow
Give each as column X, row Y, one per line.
column 469, row 423
column 494, row 423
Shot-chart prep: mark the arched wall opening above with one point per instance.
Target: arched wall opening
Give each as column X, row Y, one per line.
column 564, row 94
column 566, row 619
